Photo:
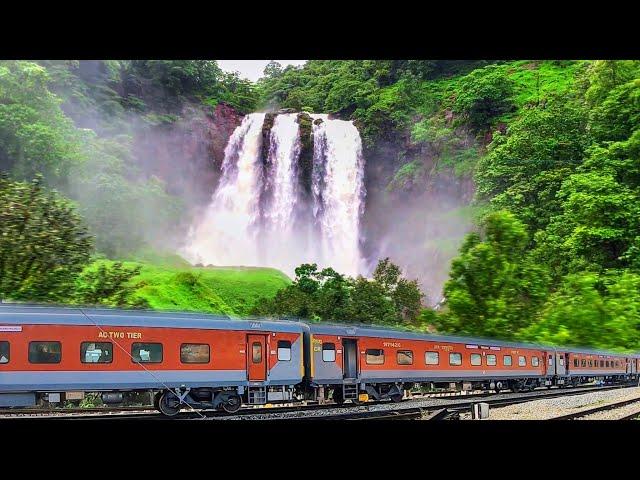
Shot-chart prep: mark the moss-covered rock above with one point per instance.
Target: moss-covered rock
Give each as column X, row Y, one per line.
column 305, row 162
column 266, row 192
column 267, row 125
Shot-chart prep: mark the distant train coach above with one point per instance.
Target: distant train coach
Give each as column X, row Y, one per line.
column 198, row 361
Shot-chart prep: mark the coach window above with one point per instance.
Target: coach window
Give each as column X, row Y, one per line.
column 4, row 352
column 195, row 353
column 146, row 352
column 535, row 361
column 550, row 360
column 455, row 359
column 256, row 352
column 432, row 358
column 575, row 362
column 583, row 363
column 284, row 350
column 405, row 357
column 491, row 360
column 476, row 359
column 375, row 356
column 45, row 352
column 601, row 363
column 96, row 352
column 522, row 361
column 506, row 360
column 328, row 352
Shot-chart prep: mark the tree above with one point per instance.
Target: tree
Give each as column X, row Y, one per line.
column 591, row 310
column 494, row 289
column 525, row 168
column 43, row 242
column 370, row 304
column 327, row 295
column 108, row 285
column 483, row 95
column 405, row 294
column 599, row 221
column 272, row 70
column 35, row 135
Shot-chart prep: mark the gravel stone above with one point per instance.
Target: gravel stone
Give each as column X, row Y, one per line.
column 555, row 407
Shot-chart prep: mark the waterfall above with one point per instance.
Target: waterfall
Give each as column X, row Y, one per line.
column 252, row 219
column 225, row 235
column 279, row 244
column 339, row 192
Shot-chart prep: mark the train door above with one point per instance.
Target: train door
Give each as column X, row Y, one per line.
column 561, row 363
column 257, row 357
column 350, row 358
column 550, row 363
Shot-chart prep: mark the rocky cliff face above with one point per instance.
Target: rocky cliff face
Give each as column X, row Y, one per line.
column 418, row 218
column 188, row 154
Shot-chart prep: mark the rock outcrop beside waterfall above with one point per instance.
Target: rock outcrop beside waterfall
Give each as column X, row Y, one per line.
column 188, row 154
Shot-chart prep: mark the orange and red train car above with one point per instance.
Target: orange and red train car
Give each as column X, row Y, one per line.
column 205, row 361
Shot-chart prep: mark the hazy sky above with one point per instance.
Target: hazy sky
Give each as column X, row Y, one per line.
column 252, row 69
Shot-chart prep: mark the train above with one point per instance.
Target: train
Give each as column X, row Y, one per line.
column 51, row 354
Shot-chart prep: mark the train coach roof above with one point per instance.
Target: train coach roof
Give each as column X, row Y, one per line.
column 384, row 332
column 38, row 314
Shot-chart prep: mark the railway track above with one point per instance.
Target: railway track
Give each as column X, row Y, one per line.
column 584, row 414
column 149, row 410
column 448, row 407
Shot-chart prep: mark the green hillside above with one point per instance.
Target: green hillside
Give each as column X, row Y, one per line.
column 170, row 283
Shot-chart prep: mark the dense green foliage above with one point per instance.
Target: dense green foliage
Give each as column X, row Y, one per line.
column 483, row 95
column 43, row 243
column 108, row 285
column 326, row 295
column 495, row 287
column 568, row 168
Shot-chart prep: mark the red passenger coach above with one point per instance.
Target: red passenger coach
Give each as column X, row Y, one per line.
column 200, row 360
column 359, row 362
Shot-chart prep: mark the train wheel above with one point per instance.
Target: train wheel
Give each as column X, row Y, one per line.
column 169, row 404
column 233, row 403
column 396, row 398
column 337, row 396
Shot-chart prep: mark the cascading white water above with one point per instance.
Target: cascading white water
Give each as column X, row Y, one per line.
column 280, row 245
column 338, row 192
column 224, row 236
column 283, row 153
column 265, row 221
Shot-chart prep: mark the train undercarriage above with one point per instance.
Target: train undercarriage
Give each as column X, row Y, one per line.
column 170, row 402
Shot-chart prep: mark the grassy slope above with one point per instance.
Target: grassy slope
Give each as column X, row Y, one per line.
column 170, row 283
